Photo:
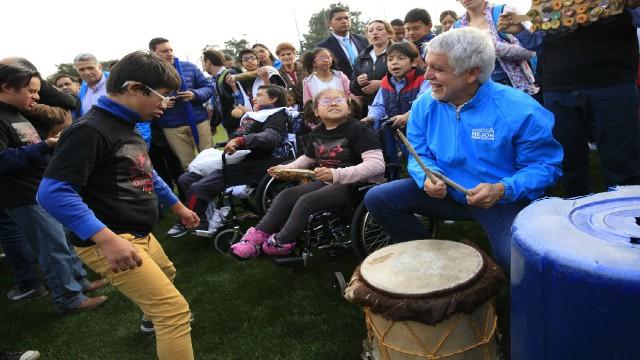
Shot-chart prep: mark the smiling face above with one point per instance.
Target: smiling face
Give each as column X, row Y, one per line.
column 445, row 84
column 287, row 57
column 400, row 64
column 377, row 34
column 332, row 108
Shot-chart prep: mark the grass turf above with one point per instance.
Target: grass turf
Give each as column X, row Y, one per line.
column 248, row 310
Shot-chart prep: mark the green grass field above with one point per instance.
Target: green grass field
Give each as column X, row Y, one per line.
column 242, row 310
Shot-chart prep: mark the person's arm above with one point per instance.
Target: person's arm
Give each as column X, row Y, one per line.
column 345, row 85
column 306, row 90
column 49, row 115
column 202, row 88
column 13, row 160
column 302, row 162
column 538, row 158
column 377, row 110
column 371, row 168
column 512, row 52
column 50, row 95
column 417, row 136
column 144, row 129
column 169, row 200
column 354, row 84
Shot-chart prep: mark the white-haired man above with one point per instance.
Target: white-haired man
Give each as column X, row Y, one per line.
column 491, row 139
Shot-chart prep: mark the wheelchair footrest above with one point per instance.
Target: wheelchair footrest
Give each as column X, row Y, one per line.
column 290, row 260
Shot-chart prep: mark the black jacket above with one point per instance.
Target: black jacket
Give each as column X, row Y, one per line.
column 375, row 71
column 342, row 62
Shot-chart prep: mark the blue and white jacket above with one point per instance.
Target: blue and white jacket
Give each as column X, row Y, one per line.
column 500, row 135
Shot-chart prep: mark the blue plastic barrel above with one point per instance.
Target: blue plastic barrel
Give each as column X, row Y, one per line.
column 575, row 278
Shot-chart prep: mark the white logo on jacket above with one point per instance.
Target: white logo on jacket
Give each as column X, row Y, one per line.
column 486, row 134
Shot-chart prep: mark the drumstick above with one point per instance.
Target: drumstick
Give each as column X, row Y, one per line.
column 431, row 174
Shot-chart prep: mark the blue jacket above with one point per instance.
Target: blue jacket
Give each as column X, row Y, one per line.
column 203, row 90
column 501, row 135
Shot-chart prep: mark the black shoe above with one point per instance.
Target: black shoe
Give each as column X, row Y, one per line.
column 16, row 293
column 177, row 230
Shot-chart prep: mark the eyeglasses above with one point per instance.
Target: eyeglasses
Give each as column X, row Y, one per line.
column 322, row 58
column 165, row 99
column 326, row 101
column 249, row 58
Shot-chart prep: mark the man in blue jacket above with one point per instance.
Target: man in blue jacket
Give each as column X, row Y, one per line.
column 491, row 139
column 185, row 122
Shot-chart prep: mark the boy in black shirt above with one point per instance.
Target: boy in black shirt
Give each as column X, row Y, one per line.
column 101, row 185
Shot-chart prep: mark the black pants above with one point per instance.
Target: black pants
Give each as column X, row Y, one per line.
column 609, row 116
column 293, row 206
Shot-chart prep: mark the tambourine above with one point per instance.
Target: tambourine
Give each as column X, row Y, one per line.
column 568, row 15
column 295, row 174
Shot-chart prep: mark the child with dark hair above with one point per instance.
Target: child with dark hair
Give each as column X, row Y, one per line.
column 402, row 85
column 418, row 24
column 344, row 151
column 320, row 63
column 447, row 19
column 262, row 131
column 100, row 184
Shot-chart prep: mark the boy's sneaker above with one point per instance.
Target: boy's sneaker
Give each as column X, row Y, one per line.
column 177, row 230
column 272, row 247
column 16, row 293
column 27, row 355
column 249, row 246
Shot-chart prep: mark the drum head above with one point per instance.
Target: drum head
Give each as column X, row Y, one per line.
column 421, row 267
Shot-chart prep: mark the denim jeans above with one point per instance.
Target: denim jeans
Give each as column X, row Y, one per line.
column 61, row 267
column 20, row 257
column 394, row 204
column 606, row 115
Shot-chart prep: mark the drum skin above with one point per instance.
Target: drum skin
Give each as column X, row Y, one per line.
column 575, row 278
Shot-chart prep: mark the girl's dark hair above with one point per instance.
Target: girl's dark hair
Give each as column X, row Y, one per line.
column 145, row 68
column 16, row 77
column 407, row 49
column 448, row 13
column 309, row 56
column 273, row 58
column 276, row 92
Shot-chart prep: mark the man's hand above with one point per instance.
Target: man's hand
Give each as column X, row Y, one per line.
column 171, row 103
column 372, row 87
column 437, row 190
column 485, row 195
column 120, row 253
column 506, row 24
column 263, row 72
column 52, row 141
column 399, row 121
column 231, row 81
column 323, row 174
column 231, row 147
column 362, row 80
column 187, row 217
column 186, row 95
column 367, row 120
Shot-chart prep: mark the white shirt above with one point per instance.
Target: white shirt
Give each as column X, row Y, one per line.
column 93, row 93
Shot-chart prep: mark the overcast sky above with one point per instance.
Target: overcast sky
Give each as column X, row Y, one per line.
column 53, row 32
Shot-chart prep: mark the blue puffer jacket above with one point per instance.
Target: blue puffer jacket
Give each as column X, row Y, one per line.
column 500, row 135
column 203, row 90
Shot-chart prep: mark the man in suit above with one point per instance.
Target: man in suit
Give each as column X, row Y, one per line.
column 344, row 45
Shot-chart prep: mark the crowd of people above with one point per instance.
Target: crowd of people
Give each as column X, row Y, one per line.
column 87, row 170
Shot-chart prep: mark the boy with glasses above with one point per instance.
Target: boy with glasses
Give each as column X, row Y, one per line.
column 101, row 185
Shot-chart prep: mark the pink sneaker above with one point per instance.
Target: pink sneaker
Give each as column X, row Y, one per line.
column 272, row 247
column 249, row 246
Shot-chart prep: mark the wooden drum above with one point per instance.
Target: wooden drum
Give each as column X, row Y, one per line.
column 428, row 299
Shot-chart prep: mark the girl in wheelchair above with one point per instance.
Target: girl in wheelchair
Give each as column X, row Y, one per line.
column 345, row 152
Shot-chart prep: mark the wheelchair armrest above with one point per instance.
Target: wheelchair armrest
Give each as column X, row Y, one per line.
column 220, row 144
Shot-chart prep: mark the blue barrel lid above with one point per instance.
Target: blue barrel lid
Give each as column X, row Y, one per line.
column 594, row 233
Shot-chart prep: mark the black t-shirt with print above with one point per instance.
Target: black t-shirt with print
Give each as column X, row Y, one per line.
column 343, row 146
column 19, row 187
column 107, row 159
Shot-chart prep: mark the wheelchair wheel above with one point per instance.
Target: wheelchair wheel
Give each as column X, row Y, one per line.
column 368, row 236
column 267, row 190
column 339, row 283
column 225, row 239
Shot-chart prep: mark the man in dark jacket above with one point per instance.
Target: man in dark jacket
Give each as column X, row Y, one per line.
column 185, row 122
column 344, row 45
